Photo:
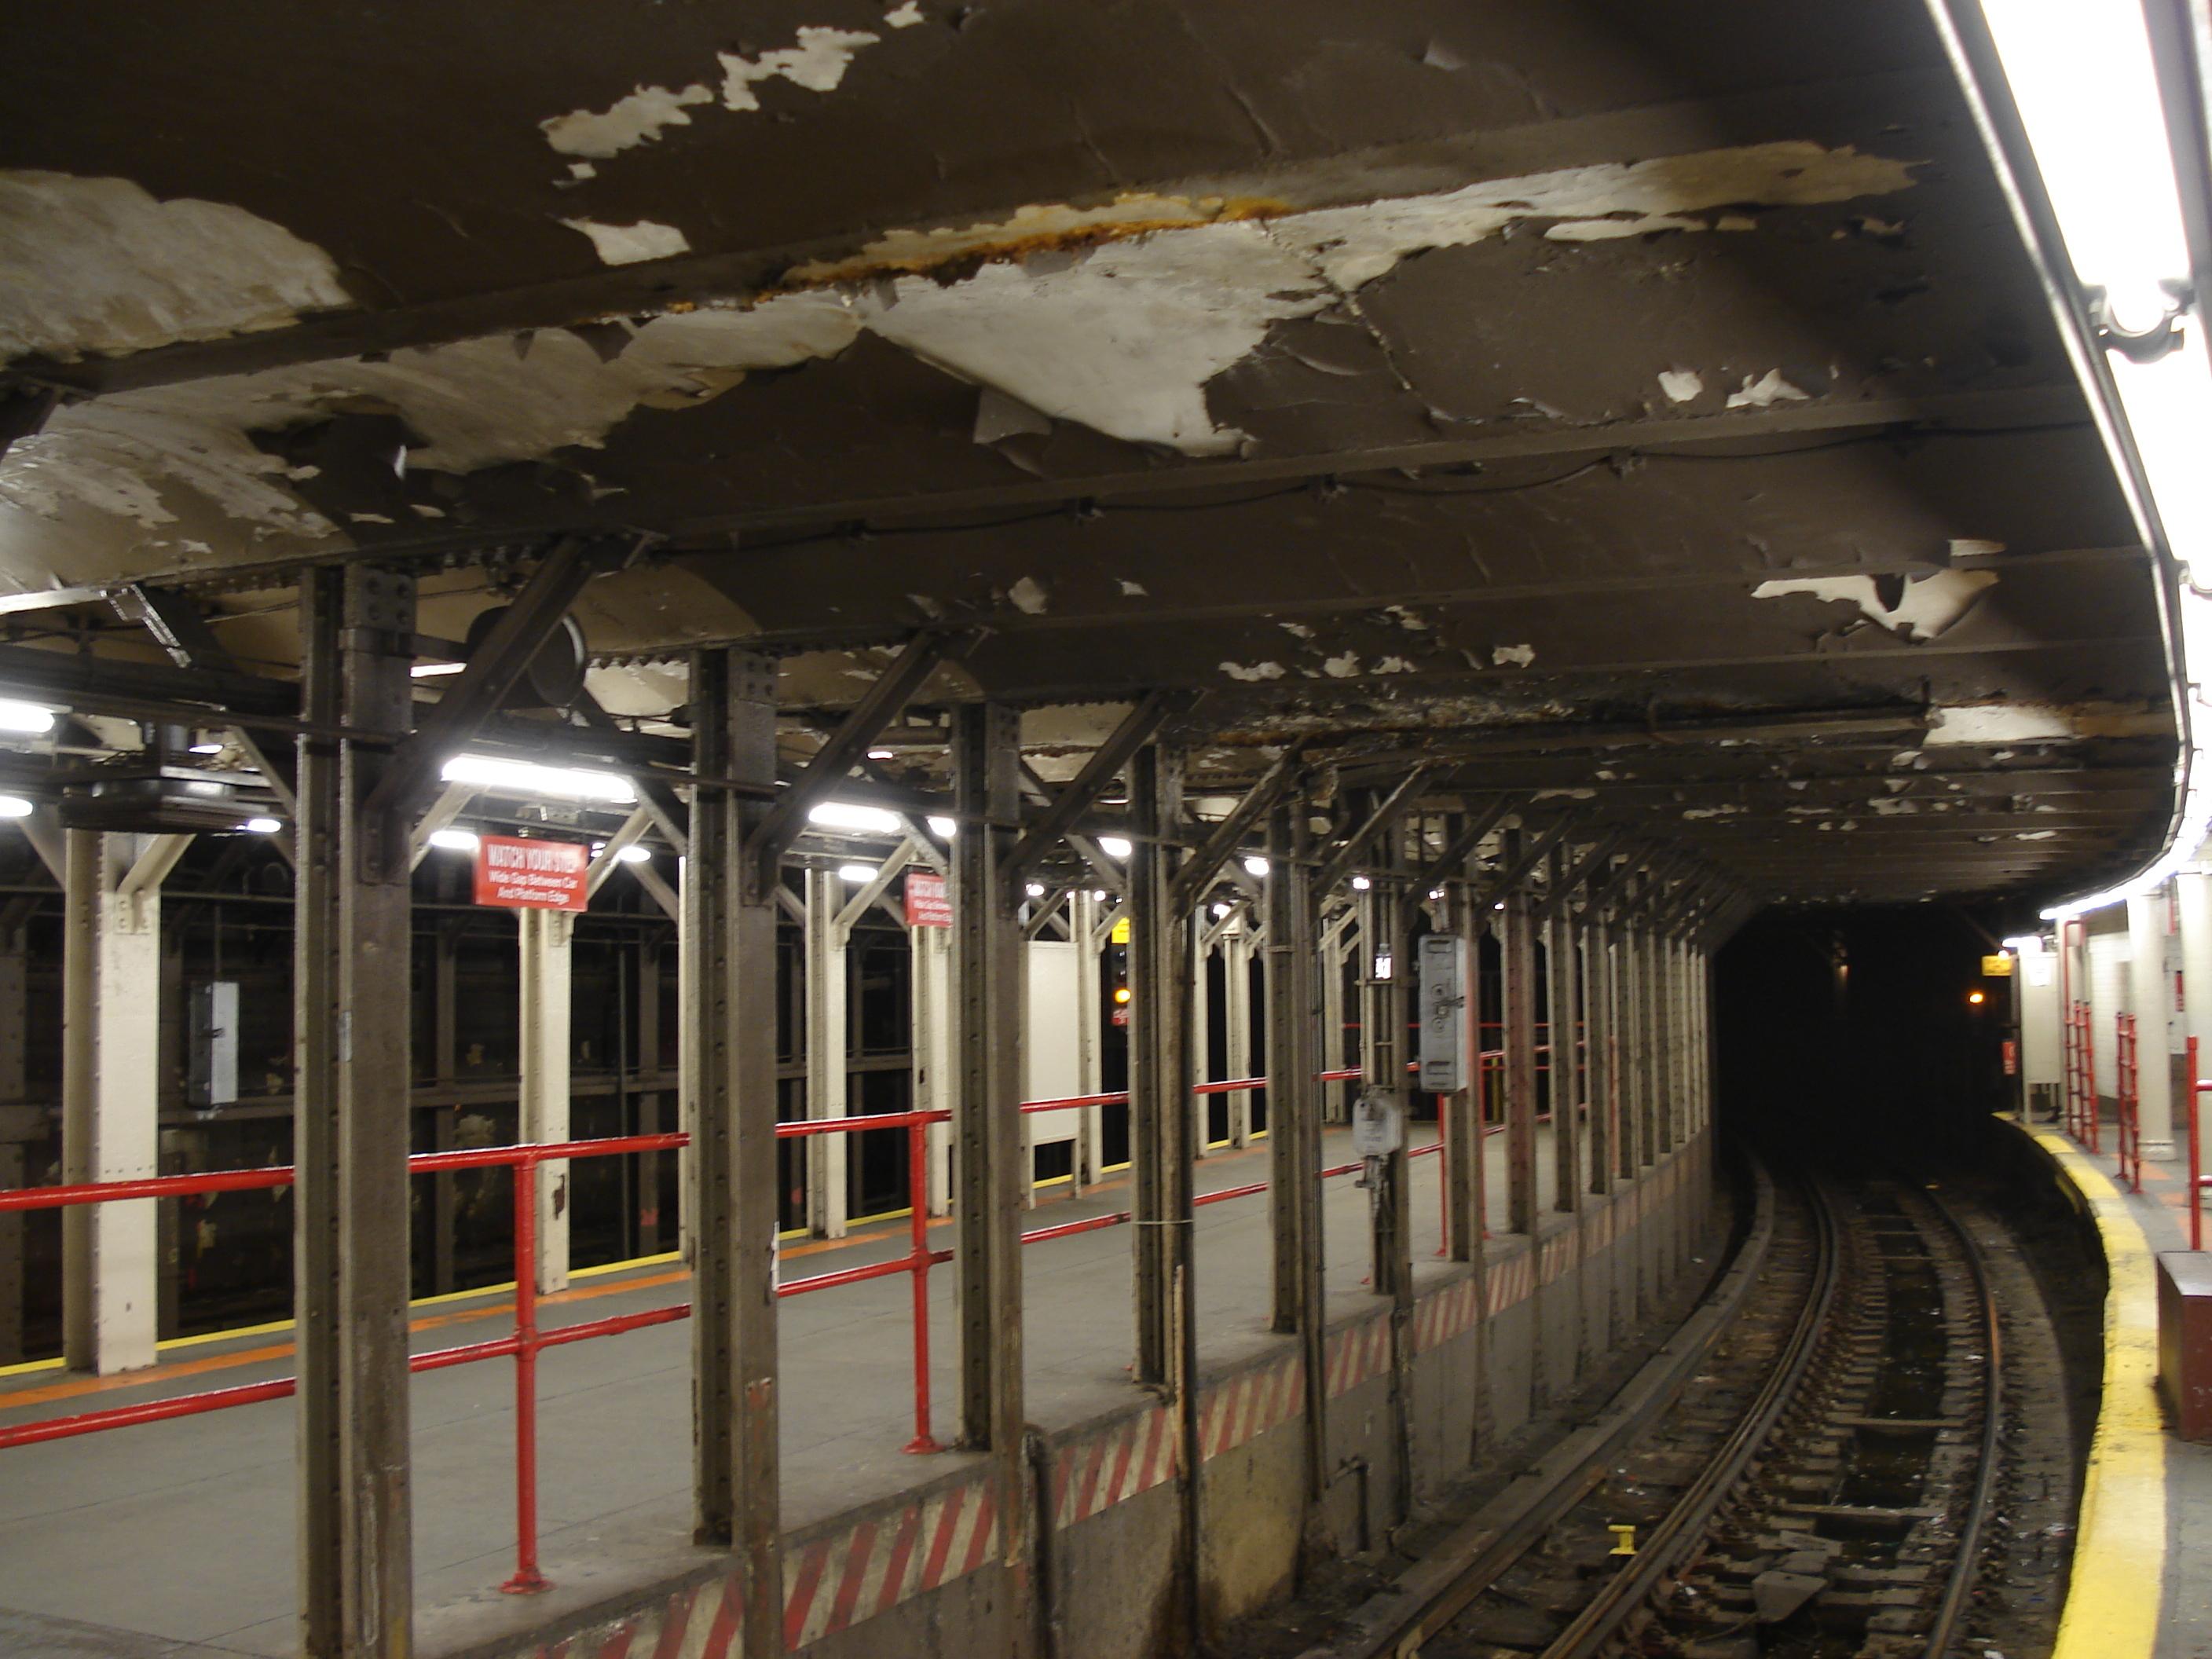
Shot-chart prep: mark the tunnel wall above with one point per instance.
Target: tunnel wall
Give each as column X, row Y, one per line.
column 933, row 1572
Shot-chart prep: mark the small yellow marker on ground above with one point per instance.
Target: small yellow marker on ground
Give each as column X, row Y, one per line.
column 1624, row 1541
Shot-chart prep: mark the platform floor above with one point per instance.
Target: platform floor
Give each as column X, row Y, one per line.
column 182, row 1532
column 2185, row 1599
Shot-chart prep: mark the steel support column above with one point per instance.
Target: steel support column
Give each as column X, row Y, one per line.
column 1517, row 962
column 1567, row 1022
column 991, row 1177
column 1464, row 1147
column 545, row 938
column 727, row 938
column 1161, row 1130
column 351, row 1030
column 1601, row 1081
column 1386, row 971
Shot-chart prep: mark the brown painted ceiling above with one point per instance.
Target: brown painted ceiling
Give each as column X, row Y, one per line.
column 1432, row 380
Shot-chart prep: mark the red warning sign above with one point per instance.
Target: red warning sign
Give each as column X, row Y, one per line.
column 927, row 905
column 532, row 875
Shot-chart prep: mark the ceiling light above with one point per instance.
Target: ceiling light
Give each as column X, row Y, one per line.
column 1360, row 883
column 424, row 671
column 1435, row 892
column 1220, row 911
column 634, row 854
column 943, row 828
column 263, row 826
column 205, row 749
column 1034, row 890
column 509, row 777
column 454, row 841
column 1113, row 847
column 14, row 807
column 1098, row 895
column 1255, row 867
column 2027, row 945
column 842, row 815
column 857, row 873
column 24, row 717
column 2086, row 89
column 879, row 754
column 1382, row 965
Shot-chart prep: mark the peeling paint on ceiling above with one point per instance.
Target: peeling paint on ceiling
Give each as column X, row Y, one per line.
column 99, row 265
column 1928, row 606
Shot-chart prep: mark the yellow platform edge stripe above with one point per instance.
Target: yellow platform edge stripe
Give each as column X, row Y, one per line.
column 2113, row 1599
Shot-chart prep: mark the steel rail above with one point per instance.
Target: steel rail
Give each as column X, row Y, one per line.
column 1940, row 1633
column 1672, row 1540
column 1436, row 1591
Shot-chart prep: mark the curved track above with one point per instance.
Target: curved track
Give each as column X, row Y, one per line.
column 1808, row 1472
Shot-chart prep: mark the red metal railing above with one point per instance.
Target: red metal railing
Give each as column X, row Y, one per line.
column 2080, row 1076
column 528, row 1339
column 2127, row 1103
column 2198, row 1084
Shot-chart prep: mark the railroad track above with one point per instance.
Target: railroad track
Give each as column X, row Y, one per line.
column 1807, row 1466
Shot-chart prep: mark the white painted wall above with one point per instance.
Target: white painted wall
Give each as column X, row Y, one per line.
column 1052, row 1058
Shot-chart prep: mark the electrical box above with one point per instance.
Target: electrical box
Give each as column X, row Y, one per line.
column 212, row 1080
column 1443, row 1013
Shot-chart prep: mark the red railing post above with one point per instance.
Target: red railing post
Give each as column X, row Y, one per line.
column 917, row 1186
column 527, row 1580
column 2197, row 1086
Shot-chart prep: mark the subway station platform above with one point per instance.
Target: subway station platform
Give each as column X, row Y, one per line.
column 178, row 1537
column 2147, row 1518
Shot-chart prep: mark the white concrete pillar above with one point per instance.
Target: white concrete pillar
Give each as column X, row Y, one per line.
column 2193, row 894
column 1083, row 913
column 827, row 1091
column 2150, row 998
column 111, row 1087
column 1236, row 992
column 930, row 988
column 2042, row 1052
column 545, row 936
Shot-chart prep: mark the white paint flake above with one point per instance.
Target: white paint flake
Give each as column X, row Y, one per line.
column 1565, row 794
column 98, row 265
column 1411, row 621
column 1517, row 656
column 903, row 16
column 1681, row 385
column 817, row 62
column 1965, row 547
column 1342, row 667
column 1124, row 336
column 1297, row 631
column 1710, row 811
column 630, row 245
column 636, row 119
column 1258, row 671
column 1765, row 393
column 1028, row 595
column 1929, row 606
column 1132, row 590
column 2035, row 835
column 2041, row 722
column 1394, row 666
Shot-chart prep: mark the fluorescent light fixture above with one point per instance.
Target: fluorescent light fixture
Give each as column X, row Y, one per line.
column 205, row 749
column 634, row 854
column 508, row 777
column 26, row 717
column 1360, row 883
column 14, row 807
column 1113, row 847
column 879, row 754
column 454, row 841
column 2027, row 945
column 943, row 828
column 428, row 670
column 263, row 826
column 1255, row 865
column 842, row 815
column 1220, row 911
column 2086, row 89
column 1435, row 892
column 1034, row 889
column 857, row 873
